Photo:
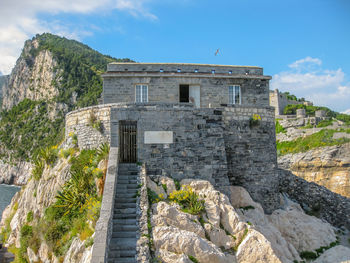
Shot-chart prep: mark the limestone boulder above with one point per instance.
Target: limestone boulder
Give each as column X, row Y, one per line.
column 156, row 188
column 77, row 253
column 169, row 257
column 337, row 254
column 240, row 198
column 169, row 215
column 304, row 232
column 44, row 252
column 184, row 242
column 170, row 185
column 32, row 256
column 256, row 248
column 219, row 237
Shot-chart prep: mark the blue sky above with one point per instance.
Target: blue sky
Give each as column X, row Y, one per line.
column 303, row 45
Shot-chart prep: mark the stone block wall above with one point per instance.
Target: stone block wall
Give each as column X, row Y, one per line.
column 251, row 153
column 198, row 148
column 78, row 122
column 214, row 90
column 279, row 101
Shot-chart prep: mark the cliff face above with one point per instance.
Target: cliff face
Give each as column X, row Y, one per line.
column 326, row 166
column 32, row 77
column 3, row 83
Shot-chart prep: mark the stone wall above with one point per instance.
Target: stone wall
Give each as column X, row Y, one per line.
column 316, row 199
column 198, row 148
column 164, row 80
column 251, row 153
column 279, row 101
column 215, row 144
column 79, row 122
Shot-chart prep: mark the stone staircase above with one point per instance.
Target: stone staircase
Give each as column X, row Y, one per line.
column 122, row 247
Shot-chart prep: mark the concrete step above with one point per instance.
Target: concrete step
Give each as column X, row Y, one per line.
column 121, row 234
column 127, row 186
column 126, row 191
column 125, row 195
column 125, row 211
column 117, row 253
column 124, row 222
column 123, row 243
column 127, row 181
column 128, row 228
column 122, row 260
column 119, row 200
column 125, row 205
column 126, row 177
column 125, row 216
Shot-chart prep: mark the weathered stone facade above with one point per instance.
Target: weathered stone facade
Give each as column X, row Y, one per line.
column 215, row 144
column 163, row 81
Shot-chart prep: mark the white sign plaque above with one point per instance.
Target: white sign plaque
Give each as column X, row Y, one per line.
column 158, row 137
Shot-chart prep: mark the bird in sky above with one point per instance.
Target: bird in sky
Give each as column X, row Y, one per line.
column 217, row 52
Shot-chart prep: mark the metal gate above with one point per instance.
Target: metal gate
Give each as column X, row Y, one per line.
column 127, row 141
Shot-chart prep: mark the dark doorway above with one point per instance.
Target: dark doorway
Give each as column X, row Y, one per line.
column 184, row 93
column 127, row 141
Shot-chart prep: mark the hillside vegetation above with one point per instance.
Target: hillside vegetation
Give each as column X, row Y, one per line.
column 310, row 111
column 31, row 125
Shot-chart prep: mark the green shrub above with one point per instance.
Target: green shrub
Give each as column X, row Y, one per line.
column 38, row 168
column 30, row 216
column 103, row 152
column 303, row 144
column 308, row 255
column 279, row 128
column 193, row 259
column 188, row 200
column 48, row 154
column 324, row 123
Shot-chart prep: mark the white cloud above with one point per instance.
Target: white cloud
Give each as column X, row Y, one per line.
column 305, row 62
column 346, row 111
column 306, row 78
column 19, row 21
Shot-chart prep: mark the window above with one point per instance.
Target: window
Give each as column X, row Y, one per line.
column 141, row 93
column 234, row 94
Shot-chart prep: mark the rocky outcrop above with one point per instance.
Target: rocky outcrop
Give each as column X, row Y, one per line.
column 233, row 229
column 338, row 254
column 34, row 198
column 17, row 174
column 326, row 166
column 316, row 199
column 3, row 83
column 32, row 77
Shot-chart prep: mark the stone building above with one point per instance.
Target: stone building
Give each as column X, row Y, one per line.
column 279, row 101
column 188, row 121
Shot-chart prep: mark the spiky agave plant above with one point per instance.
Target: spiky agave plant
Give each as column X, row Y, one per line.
column 103, row 152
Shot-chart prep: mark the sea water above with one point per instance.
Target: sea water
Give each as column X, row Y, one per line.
column 6, row 194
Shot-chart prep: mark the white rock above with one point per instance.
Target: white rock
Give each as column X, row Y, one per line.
column 240, row 197
column 337, row 254
column 219, row 237
column 304, row 232
column 169, row 257
column 156, row 188
column 169, row 184
column 184, row 242
column 167, row 215
column 256, row 248
column 44, row 252
column 32, row 256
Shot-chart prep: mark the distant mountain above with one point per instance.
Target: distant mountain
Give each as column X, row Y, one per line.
column 52, row 76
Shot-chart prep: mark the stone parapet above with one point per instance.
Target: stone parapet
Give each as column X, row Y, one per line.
column 103, row 229
column 183, row 68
